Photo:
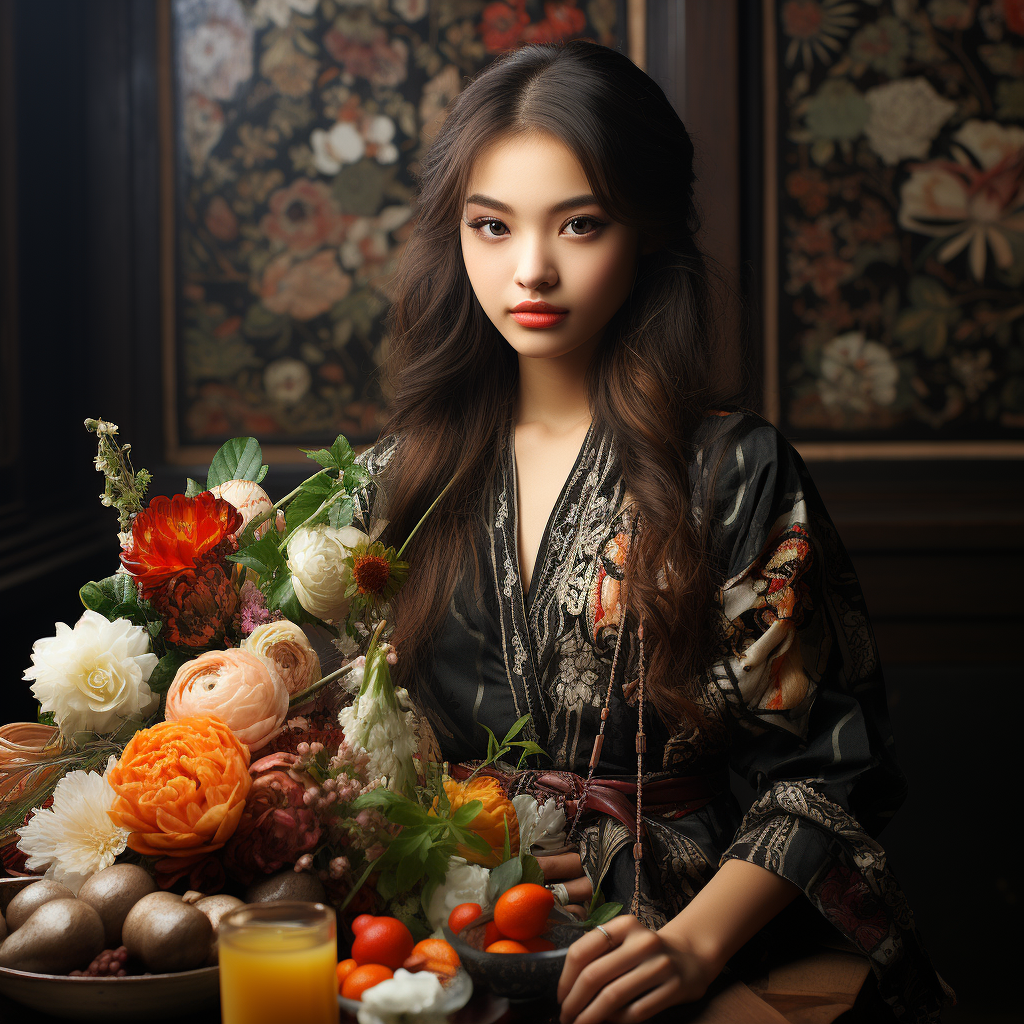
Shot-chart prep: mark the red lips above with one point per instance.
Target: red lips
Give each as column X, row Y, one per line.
column 538, row 314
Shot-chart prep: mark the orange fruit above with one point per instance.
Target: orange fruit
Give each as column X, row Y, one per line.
column 539, row 945
column 360, row 922
column 345, row 968
column 462, row 915
column 363, row 977
column 384, row 940
column 522, row 911
column 491, row 934
column 506, row 946
column 437, row 949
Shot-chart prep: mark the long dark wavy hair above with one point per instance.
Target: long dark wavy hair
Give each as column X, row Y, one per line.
column 452, row 378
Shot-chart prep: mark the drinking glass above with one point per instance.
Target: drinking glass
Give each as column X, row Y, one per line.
column 278, row 962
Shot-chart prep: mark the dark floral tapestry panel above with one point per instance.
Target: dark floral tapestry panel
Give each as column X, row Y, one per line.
column 299, row 124
column 901, row 218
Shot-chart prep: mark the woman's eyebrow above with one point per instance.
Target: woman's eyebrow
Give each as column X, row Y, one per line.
column 566, row 204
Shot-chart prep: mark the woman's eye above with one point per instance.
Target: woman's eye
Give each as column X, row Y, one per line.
column 583, row 225
column 489, row 227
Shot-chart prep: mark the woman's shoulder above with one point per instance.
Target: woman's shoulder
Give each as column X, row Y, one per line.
column 742, row 439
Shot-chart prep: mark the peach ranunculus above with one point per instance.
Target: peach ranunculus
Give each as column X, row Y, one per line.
column 250, row 500
column 287, row 652
column 238, row 688
column 181, row 788
column 490, row 823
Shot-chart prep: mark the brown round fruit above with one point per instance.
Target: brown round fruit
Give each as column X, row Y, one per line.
column 60, row 936
column 112, row 892
column 166, row 934
column 24, row 903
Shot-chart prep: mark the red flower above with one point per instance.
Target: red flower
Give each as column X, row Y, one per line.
column 502, row 25
column 276, row 827
column 197, row 606
column 562, row 21
column 174, row 534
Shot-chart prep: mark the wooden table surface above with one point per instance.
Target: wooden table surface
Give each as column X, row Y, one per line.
column 815, row 989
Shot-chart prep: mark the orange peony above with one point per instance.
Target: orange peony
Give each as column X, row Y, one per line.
column 489, row 824
column 174, row 534
column 181, row 788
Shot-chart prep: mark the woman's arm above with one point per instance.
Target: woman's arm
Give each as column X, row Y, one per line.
column 646, row 971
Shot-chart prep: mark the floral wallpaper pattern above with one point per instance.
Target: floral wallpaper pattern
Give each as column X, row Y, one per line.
column 299, row 124
column 901, row 218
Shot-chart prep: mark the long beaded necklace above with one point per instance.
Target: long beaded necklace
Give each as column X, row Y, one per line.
column 641, row 738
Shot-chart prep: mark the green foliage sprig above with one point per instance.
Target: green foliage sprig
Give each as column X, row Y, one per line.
column 125, row 487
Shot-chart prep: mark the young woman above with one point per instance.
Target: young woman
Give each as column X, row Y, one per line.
column 623, row 556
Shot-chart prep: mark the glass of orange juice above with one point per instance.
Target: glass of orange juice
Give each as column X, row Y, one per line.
column 278, row 962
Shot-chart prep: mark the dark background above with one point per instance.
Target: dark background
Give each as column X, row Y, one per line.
column 938, row 544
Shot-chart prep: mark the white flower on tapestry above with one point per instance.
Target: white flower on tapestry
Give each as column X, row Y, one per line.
column 973, row 371
column 816, row 28
column 975, row 200
column 280, row 11
column 74, row 838
column 348, row 142
column 905, row 117
column 436, row 96
column 410, row 10
column 93, row 677
column 366, row 241
column 857, row 375
column 286, row 380
column 216, row 47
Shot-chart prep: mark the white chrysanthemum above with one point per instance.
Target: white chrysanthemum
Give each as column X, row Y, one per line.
column 404, row 997
column 541, row 826
column 94, row 676
column 75, row 837
column 463, row 883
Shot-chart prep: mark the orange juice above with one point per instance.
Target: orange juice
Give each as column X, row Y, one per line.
column 274, row 971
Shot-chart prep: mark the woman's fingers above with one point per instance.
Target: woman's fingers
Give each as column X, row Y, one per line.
column 670, row 993
column 561, row 866
column 617, row 995
column 598, row 958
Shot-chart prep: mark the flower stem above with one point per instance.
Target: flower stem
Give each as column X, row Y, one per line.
column 424, row 516
column 326, row 504
column 303, row 695
column 358, row 885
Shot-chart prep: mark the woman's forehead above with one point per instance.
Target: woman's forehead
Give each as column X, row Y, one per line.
column 532, row 171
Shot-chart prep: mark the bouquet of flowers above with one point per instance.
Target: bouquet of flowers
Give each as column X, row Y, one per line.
column 189, row 725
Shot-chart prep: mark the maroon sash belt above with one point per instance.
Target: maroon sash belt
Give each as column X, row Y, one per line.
column 676, row 796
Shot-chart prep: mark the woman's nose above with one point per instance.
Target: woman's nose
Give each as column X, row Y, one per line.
column 535, row 268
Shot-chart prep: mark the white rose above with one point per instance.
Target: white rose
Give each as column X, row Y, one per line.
column 463, row 883
column 94, row 676
column 316, row 557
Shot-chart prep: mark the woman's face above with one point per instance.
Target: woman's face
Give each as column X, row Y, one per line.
column 533, row 234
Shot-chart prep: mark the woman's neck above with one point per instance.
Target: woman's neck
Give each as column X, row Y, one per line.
column 553, row 392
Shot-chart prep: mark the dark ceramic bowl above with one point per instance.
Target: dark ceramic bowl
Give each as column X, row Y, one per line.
column 518, row 976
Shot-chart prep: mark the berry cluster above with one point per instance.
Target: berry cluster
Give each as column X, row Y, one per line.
column 109, row 964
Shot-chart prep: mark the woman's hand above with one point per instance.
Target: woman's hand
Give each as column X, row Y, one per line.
column 631, row 976
column 567, row 868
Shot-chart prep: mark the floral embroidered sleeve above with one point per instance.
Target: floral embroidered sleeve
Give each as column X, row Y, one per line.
column 802, row 685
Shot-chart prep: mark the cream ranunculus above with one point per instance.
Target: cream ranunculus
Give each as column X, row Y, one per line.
column 234, row 686
column 287, row 653
column 94, row 676
column 315, row 557
column 251, row 501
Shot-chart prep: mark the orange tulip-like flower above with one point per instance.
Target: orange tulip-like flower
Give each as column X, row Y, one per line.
column 175, row 534
column 181, row 788
column 490, row 823
column 236, row 687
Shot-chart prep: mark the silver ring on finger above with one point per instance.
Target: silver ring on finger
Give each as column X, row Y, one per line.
column 603, row 931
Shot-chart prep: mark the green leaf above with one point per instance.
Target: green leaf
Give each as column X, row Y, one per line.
column 375, row 799
column 473, row 841
column 503, row 877
column 467, row 812
column 355, row 477
column 406, row 813
column 310, row 496
column 45, row 717
column 339, row 515
column 516, row 729
column 264, row 470
column 603, row 914
column 339, row 456
column 248, row 535
column 166, row 669
column 261, row 556
column 532, row 871
column 193, row 487
column 241, row 458
column 508, row 841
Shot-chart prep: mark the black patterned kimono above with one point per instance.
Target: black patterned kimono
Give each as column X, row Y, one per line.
column 797, row 684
